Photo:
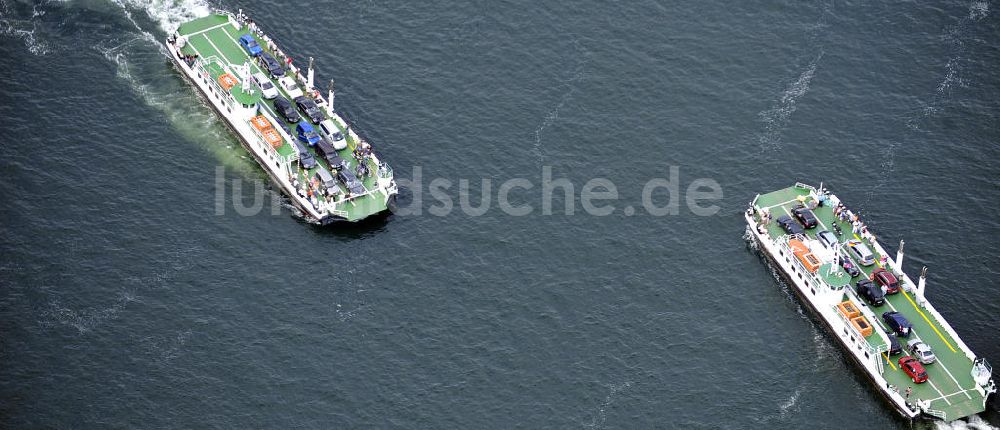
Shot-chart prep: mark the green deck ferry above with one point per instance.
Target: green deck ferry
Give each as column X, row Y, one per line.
column 816, row 243
column 310, row 152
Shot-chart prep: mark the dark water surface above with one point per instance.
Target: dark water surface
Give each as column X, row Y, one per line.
column 125, row 301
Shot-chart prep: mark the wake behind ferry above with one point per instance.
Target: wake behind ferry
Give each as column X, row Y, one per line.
column 885, row 323
column 313, row 155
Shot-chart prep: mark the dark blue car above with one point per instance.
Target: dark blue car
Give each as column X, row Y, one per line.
column 273, row 66
column 307, row 133
column 250, row 44
column 898, row 323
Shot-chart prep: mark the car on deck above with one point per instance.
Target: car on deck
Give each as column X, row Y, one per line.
column 285, row 108
column 922, row 351
column 913, row 369
column 273, row 67
column 350, row 181
column 306, row 133
column 894, row 347
column 309, row 107
column 886, row 279
column 332, row 134
column 330, row 187
column 861, row 252
column 250, row 44
column 849, row 267
column 871, row 292
column 306, row 160
column 897, row 323
column 267, row 89
column 790, row 225
column 288, row 84
column 329, row 153
column 805, row 216
column 827, row 239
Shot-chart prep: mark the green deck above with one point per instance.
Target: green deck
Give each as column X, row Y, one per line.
column 950, row 387
column 213, row 36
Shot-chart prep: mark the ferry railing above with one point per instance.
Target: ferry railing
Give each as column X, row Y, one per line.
column 226, row 97
column 874, row 354
column 804, row 186
column 783, row 244
column 936, row 413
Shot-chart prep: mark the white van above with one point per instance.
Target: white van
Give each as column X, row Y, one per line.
column 333, row 134
column 265, row 85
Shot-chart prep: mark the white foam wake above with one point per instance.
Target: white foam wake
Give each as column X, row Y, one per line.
column 571, row 85
column 168, row 14
column 776, row 118
column 600, row 419
column 973, row 423
column 24, row 29
column 957, row 35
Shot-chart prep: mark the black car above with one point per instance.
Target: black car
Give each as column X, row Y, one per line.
column 898, row 323
column 871, row 292
column 805, row 216
column 849, row 267
column 285, row 108
column 350, row 181
column 894, row 347
column 306, row 160
column 789, row 225
column 309, row 107
column 273, row 66
column 325, row 150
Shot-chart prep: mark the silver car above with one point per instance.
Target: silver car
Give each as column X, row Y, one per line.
column 827, row 239
column 921, row 351
column 861, row 252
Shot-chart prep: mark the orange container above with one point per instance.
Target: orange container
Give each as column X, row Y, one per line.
column 227, row 81
column 810, row 261
column 272, row 137
column 260, row 123
column 862, row 325
column 801, row 252
column 797, row 246
column 848, row 309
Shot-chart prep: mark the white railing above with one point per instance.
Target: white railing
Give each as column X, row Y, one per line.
column 226, row 98
column 783, row 244
column 875, row 354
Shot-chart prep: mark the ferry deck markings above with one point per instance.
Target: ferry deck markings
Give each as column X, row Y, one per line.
column 952, row 394
column 189, row 36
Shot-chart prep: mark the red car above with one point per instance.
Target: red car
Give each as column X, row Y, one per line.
column 886, row 279
column 913, row 368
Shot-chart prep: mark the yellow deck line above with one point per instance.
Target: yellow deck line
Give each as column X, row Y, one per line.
column 917, row 308
column 887, row 360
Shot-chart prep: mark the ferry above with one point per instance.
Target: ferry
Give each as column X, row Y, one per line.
column 874, row 310
column 311, row 153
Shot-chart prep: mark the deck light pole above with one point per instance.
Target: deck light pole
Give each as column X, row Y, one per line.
column 899, row 256
column 921, row 285
column 309, row 76
column 329, row 98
